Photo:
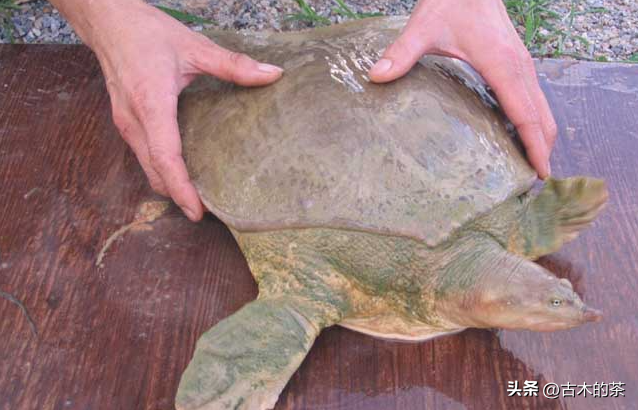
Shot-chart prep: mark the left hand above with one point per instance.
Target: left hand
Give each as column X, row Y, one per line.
column 147, row 58
column 480, row 33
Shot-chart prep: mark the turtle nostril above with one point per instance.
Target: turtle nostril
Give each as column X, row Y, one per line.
column 592, row 315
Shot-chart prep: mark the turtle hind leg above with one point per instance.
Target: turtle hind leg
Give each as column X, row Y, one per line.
column 557, row 214
column 245, row 361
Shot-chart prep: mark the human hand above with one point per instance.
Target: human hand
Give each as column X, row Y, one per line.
column 480, row 33
column 147, row 58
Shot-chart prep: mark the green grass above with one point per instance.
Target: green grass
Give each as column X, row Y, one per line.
column 7, row 8
column 309, row 15
column 545, row 29
column 184, row 17
column 632, row 58
column 532, row 15
column 343, row 9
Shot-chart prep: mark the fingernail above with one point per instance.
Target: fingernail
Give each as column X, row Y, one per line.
column 382, row 66
column 269, row 68
column 548, row 167
column 189, row 213
column 545, row 169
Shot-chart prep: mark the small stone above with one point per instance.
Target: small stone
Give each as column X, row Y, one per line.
column 67, row 29
column 55, row 25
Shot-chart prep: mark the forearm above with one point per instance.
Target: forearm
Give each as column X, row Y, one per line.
column 88, row 16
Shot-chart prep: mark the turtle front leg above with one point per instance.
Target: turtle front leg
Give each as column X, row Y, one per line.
column 533, row 225
column 556, row 215
column 245, row 361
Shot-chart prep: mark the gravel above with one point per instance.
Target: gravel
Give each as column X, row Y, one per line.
column 609, row 35
column 38, row 22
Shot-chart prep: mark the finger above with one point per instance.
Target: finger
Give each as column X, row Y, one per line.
column 548, row 124
column 235, row 67
column 133, row 134
column 159, row 119
column 403, row 54
column 550, row 130
column 506, row 74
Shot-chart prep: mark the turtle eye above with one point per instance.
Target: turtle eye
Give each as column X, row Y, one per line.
column 557, row 302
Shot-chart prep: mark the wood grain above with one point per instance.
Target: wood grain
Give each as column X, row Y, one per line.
column 120, row 336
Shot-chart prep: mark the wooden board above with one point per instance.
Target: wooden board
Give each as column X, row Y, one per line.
column 120, row 336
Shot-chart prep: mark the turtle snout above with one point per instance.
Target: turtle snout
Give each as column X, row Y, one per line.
column 591, row 314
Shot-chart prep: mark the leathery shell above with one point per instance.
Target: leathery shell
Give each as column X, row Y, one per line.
column 325, row 147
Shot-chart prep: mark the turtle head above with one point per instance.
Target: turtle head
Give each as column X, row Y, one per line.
column 539, row 302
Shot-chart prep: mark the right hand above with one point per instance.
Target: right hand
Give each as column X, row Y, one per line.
column 483, row 36
column 147, row 58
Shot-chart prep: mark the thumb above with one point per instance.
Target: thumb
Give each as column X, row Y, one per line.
column 401, row 55
column 235, row 67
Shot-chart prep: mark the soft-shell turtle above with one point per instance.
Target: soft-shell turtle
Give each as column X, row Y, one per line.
column 403, row 210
